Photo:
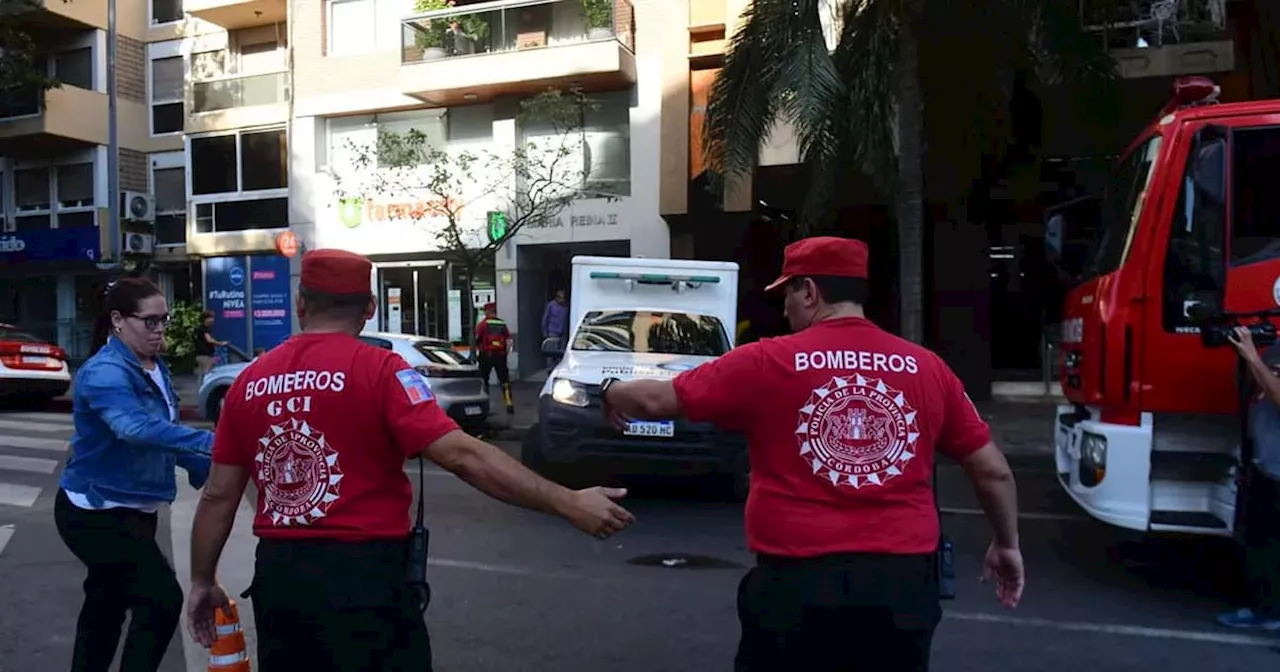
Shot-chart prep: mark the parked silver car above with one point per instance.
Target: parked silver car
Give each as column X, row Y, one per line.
column 454, row 380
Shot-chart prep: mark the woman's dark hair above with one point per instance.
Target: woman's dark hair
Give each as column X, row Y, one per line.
column 206, row 315
column 122, row 296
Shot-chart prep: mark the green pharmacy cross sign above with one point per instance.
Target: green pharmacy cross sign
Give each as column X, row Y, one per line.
column 497, row 226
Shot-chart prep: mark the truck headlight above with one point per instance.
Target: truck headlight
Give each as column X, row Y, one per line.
column 569, row 393
column 1093, row 459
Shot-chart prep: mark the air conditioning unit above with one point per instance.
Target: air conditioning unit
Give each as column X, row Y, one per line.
column 136, row 206
column 138, row 243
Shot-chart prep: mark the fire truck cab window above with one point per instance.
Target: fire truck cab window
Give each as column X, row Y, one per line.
column 1122, row 207
column 1194, row 264
column 1255, row 200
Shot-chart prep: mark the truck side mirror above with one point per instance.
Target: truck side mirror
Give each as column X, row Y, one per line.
column 553, row 346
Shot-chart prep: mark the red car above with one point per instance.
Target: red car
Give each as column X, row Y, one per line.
column 32, row 370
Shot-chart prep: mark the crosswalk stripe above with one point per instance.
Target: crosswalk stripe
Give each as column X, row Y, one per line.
column 6, row 533
column 55, row 445
column 24, row 426
column 18, row 495
column 58, row 419
column 34, row 465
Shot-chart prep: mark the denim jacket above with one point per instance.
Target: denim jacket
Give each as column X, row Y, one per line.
column 125, row 446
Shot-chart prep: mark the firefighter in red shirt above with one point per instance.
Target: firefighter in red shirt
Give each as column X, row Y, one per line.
column 324, row 424
column 493, row 342
column 843, row 422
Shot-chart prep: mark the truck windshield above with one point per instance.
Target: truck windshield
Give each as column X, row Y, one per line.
column 1121, row 209
column 644, row 331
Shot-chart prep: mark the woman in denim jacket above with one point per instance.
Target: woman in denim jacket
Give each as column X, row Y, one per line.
column 127, row 442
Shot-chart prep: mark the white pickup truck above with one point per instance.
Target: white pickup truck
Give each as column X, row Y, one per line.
column 638, row 318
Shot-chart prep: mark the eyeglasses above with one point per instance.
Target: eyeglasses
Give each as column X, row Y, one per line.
column 154, row 322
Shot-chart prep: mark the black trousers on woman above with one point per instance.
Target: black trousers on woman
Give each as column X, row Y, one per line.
column 127, row 574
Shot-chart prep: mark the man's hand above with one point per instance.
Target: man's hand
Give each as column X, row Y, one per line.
column 1005, row 566
column 1243, row 342
column 595, row 512
column 202, row 604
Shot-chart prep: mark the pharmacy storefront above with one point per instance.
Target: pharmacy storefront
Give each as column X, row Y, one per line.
column 419, row 289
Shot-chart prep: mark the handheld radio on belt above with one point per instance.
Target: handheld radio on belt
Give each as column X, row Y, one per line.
column 419, row 543
column 946, row 552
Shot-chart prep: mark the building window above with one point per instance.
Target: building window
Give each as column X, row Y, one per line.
column 74, row 67
column 170, row 187
column 166, row 95
column 603, row 156
column 352, row 27
column 166, row 11
column 240, row 181
column 61, row 197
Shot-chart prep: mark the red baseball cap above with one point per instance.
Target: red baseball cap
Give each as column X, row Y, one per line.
column 491, row 306
column 822, row 255
column 336, row 272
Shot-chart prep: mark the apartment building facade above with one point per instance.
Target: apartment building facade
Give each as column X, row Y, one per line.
column 365, row 65
column 201, row 129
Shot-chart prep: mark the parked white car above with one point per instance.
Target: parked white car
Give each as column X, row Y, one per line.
column 454, row 380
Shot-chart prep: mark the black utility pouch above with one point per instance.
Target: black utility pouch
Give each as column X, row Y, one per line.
column 946, row 560
column 419, row 545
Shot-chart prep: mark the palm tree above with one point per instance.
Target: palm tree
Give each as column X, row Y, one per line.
column 911, row 88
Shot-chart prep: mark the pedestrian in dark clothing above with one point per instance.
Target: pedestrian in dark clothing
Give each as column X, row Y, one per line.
column 555, row 323
column 1261, row 501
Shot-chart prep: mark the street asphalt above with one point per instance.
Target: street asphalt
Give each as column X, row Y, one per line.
column 516, row 591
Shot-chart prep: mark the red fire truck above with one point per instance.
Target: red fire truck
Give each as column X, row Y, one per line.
column 1189, row 228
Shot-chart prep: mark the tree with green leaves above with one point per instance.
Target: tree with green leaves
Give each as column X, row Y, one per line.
column 916, row 94
column 21, row 66
column 479, row 200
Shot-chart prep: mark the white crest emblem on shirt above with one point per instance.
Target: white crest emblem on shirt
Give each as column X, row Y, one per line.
column 856, row 431
column 299, row 473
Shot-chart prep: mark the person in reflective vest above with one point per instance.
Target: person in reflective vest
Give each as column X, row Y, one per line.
column 493, row 342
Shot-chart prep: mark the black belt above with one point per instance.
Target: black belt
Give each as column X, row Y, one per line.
column 836, row 559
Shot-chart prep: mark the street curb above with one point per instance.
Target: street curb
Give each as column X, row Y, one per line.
column 64, row 405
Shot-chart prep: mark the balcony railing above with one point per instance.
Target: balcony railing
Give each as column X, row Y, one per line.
column 1154, row 22
column 19, row 102
column 235, row 92
column 507, row 26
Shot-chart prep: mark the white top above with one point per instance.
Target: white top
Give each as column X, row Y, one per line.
column 81, row 501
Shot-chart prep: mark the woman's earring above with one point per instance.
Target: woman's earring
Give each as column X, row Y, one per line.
column 117, row 330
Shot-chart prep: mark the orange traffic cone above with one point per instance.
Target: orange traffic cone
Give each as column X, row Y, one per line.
column 228, row 653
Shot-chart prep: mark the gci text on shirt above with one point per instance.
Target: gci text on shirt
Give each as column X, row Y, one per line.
column 853, row 360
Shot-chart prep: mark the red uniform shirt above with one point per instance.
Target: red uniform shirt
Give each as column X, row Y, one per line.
column 324, row 423
column 842, row 420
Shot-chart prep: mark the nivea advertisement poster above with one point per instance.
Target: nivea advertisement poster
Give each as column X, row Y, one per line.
column 225, row 289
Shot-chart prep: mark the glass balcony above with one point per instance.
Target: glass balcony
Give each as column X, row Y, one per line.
column 514, row 25
column 236, row 92
column 19, row 102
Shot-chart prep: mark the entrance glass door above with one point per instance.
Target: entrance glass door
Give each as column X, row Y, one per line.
column 411, row 299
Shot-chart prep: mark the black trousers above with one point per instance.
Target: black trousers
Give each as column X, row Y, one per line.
column 127, row 574
column 838, row 613
column 496, row 363
column 326, row 606
column 1262, row 543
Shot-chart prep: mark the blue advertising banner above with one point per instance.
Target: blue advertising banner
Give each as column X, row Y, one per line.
column 225, row 290
column 49, row 245
column 269, row 300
